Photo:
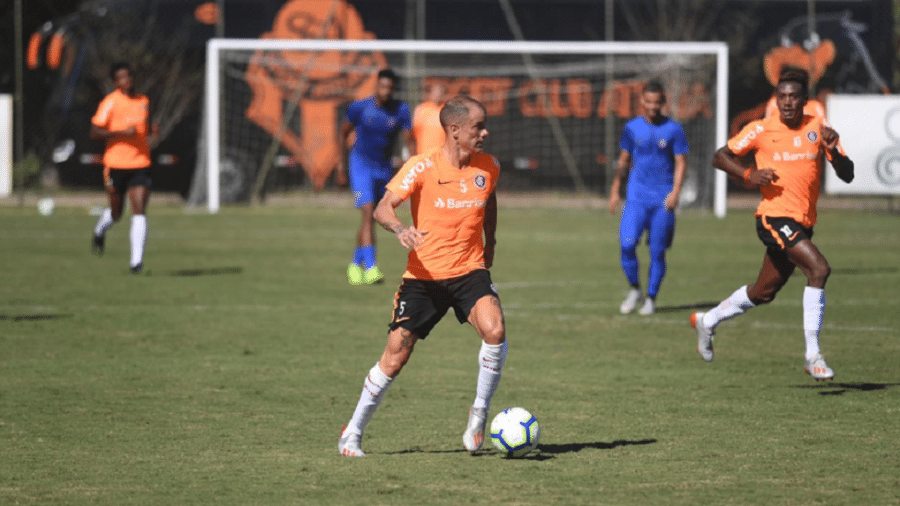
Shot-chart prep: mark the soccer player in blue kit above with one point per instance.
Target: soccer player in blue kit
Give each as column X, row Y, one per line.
column 377, row 121
column 655, row 148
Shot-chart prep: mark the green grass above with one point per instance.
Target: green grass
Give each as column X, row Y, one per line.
column 223, row 375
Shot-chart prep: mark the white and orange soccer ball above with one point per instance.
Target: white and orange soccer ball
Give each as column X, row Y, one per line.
column 515, row 432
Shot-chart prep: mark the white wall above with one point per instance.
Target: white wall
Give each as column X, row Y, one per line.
column 869, row 126
column 6, row 145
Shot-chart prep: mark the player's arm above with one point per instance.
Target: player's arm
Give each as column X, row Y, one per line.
column 842, row 164
column 677, row 182
column 343, row 136
column 730, row 163
column 386, row 216
column 622, row 167
column 411, row 146
column 490, row 229
column 101, row 134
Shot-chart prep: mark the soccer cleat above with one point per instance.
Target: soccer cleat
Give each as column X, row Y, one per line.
column 704, row 337
column 818, row 369
column 372, row 275
column 473, row 437
column 137, row 269
column 355, row 274
column 349, row 445
column 648, row 308
column 98, row 242
column 631, row 301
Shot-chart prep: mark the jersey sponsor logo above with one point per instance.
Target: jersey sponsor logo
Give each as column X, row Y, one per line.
column 745, row 141
column 458, row 204
column 480, row 181
column 812, row 136
column 787, row 156
column 444, row 182
column 414, row 172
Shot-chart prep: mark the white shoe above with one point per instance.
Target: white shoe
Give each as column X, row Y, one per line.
column 818, row 369
column 704, row 336
column 648, row 308
column 631, row 301
column 349, row 444
column 473, row 437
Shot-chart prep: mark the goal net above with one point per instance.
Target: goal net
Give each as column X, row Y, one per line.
column 555, row 109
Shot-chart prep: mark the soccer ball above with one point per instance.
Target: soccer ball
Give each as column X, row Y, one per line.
column 515, row 432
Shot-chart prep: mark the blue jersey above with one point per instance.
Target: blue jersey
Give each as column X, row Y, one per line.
column 653, row 149
column 377, row 128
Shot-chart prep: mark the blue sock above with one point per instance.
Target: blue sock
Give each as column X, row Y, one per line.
column 358, row 255
column 368, row 256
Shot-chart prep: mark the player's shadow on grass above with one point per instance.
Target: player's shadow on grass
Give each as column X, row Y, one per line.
column 33, row 317
column 842, row 388
column 543, row 452
column 870, row 270
column 695, row 305
column 548, row 451
column 214, row 271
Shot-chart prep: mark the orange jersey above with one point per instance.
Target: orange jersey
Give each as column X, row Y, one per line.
column 118, row 111
column 449, row 204
column 812, row 108
column 796, row 157
column 427, row 129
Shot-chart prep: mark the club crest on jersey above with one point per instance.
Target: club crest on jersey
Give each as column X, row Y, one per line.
column 812, row 136
column 480, row 181
column 661, row 143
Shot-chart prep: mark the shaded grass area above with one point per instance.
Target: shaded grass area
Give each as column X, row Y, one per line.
column 223, row 375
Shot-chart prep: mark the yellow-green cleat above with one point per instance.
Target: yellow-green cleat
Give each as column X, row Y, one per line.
column 355, row 274
column 373, row 275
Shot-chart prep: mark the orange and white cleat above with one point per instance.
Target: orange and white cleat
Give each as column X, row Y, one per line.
column 818, row 369
column 473, row 437
column 704, row 337
column 349, row 444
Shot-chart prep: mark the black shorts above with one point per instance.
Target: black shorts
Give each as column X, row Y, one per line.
column 420, row 304
column 120, row 180
column 780, row 233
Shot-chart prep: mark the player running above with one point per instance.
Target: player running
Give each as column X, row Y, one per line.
column 451, row 194
column 655, row 148
column 122, row 121
column 789, row 150
column 377, row 122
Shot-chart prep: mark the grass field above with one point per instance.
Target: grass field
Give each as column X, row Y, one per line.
column 223, row 374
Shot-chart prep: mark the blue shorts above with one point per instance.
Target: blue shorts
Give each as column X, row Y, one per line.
column 367, row 179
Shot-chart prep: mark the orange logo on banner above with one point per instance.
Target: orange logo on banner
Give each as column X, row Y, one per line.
column 318, row 81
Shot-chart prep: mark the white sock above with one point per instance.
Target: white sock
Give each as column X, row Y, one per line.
column 374, row 387
column 490, row 367
column 736, row 304
column 105, row 221
column 813, row 311
column 138, row 238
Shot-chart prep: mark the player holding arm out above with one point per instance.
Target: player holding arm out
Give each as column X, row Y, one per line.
column 788, row 152
column 451, row 243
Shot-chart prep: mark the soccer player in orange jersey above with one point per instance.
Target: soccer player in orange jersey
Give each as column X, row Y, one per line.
column 451, row 243
column 122, row 121
column 427, row 129
column 789, row 151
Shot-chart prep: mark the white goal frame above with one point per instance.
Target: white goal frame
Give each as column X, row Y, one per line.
column 211, row 114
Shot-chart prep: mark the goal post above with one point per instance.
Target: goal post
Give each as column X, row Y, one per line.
column 552, row 106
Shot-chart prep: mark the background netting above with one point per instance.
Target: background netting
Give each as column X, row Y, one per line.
column 554, row 119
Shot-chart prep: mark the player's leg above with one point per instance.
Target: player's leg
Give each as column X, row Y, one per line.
column 371, row 272
column 660, row 233
column 634, row 221
column 138, row 195
column 110, row 215
column 479, row 304
column 810, row 260
column 361, row 188
column 415, row 314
